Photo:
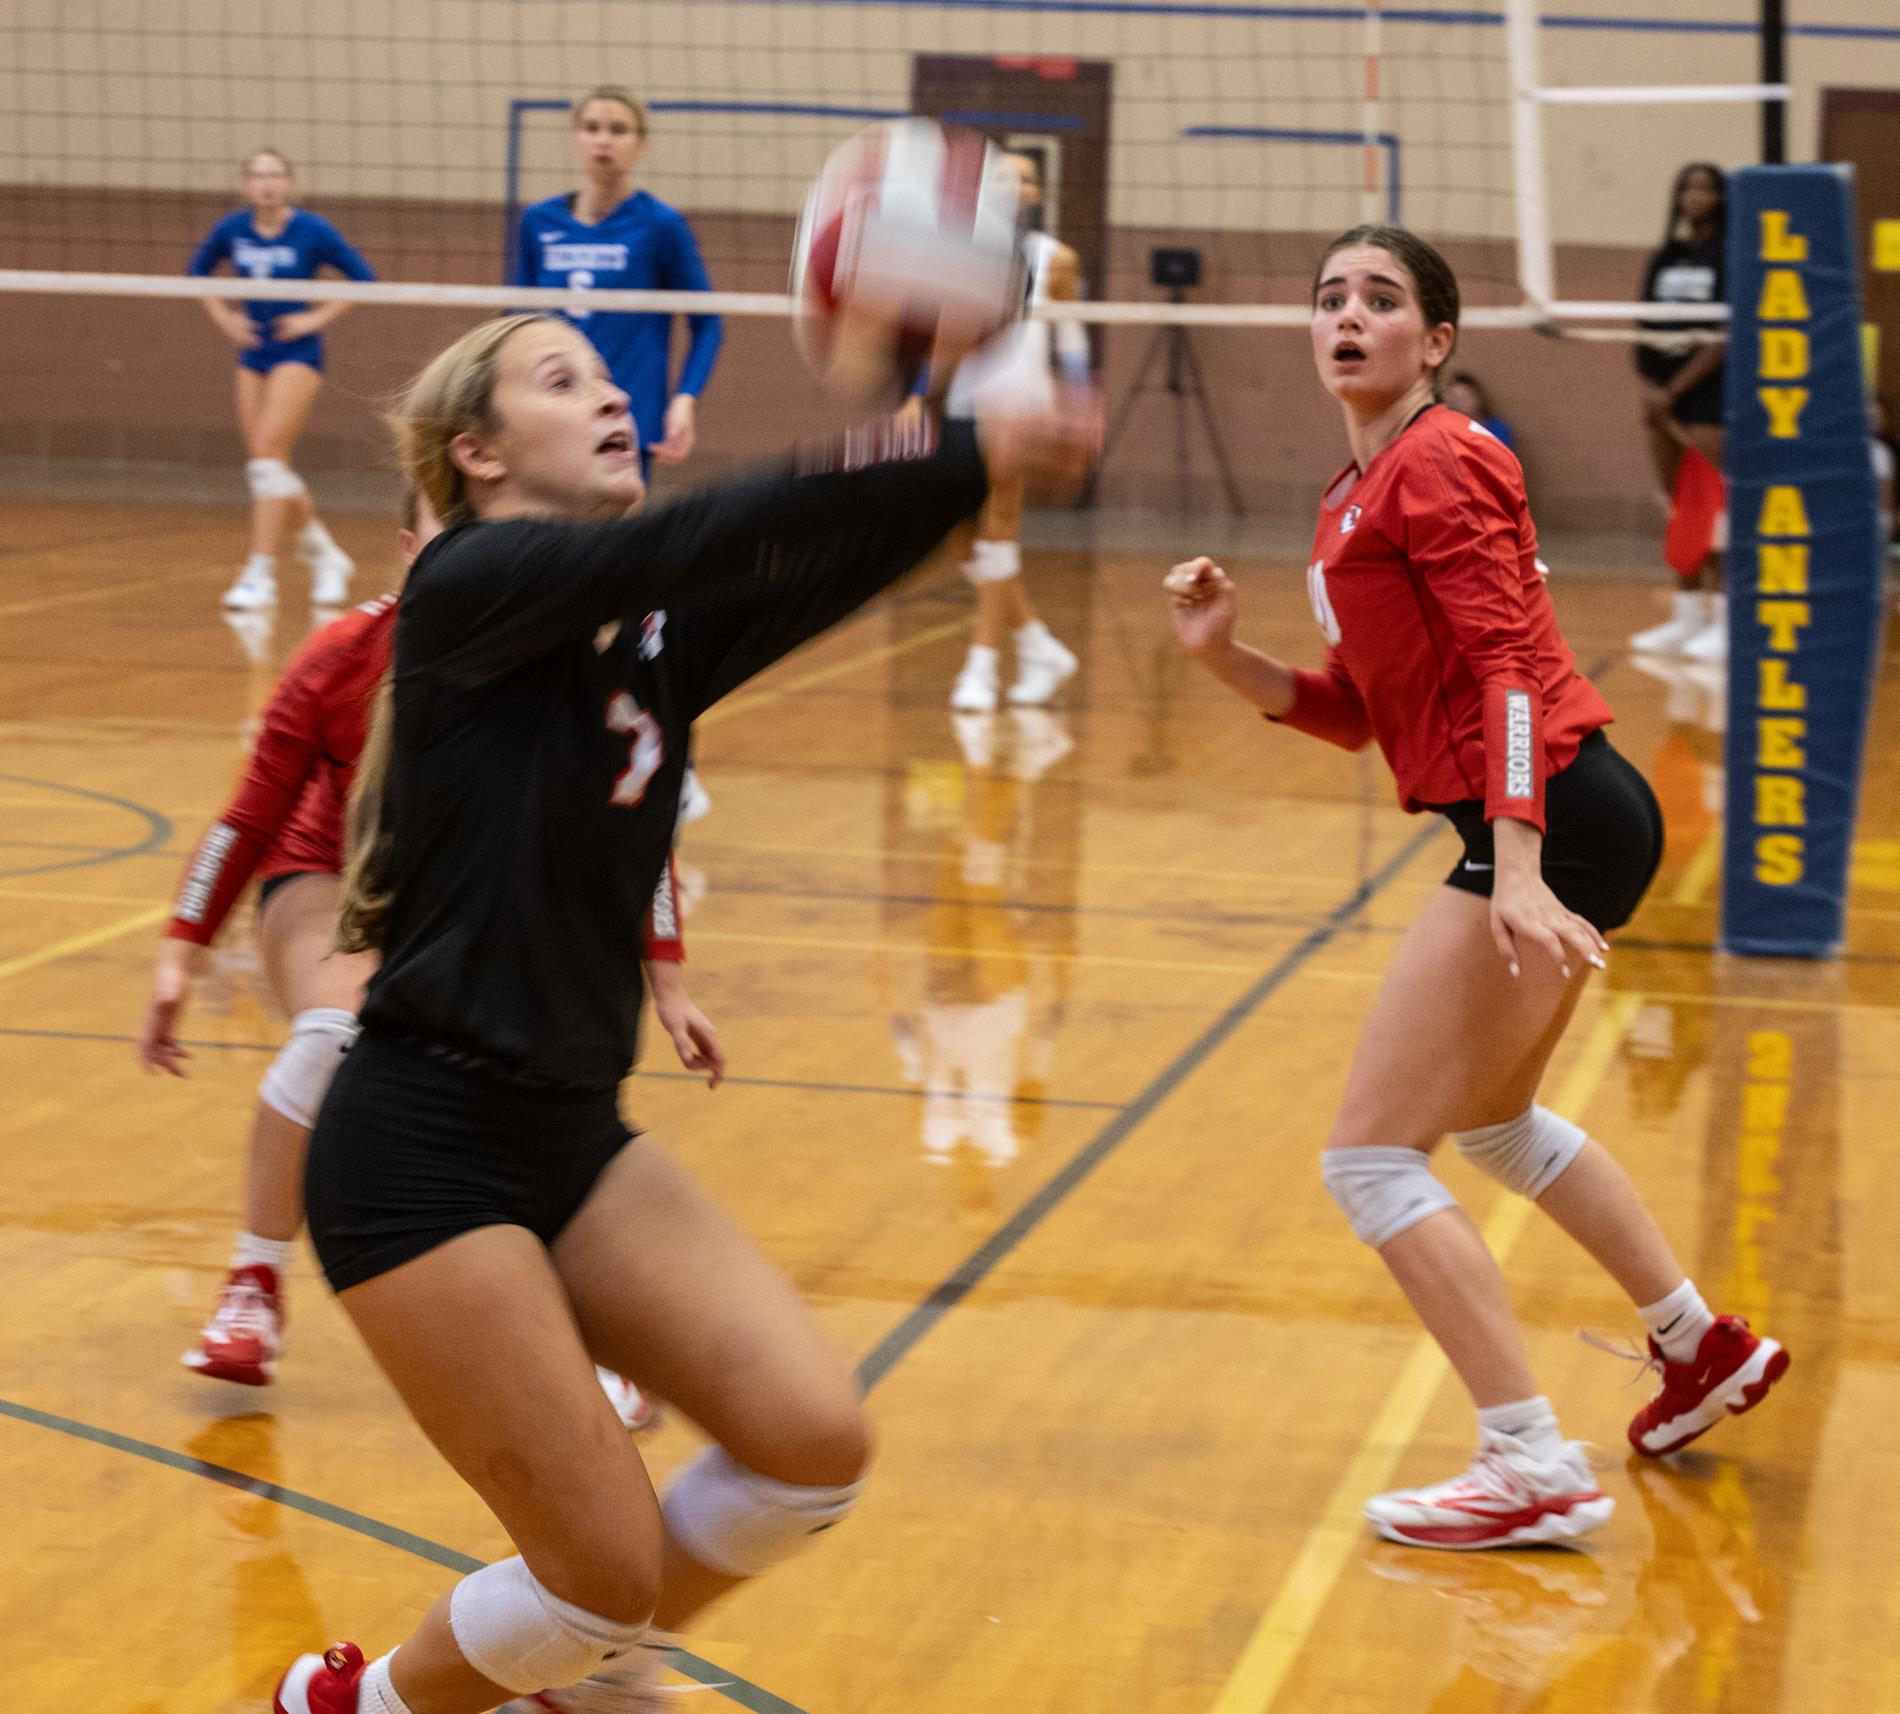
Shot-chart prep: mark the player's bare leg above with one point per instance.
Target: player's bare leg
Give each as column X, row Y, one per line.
column 320, row 990
column 1004, row 610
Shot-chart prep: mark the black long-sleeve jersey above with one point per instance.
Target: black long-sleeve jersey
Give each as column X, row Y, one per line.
column 546, row 678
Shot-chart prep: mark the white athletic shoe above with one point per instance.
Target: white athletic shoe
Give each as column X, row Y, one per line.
column 975, row 689
column 1508, row 1498
column 1041, row 670
column 695, row 800
column 1688, row 617
column 330, row 576
column 629, row 1686
column 1710, row 644
column 635, row 1410
column 251, row 590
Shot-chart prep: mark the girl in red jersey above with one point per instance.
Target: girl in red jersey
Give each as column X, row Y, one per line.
column 284, row 825
column 1443, row 645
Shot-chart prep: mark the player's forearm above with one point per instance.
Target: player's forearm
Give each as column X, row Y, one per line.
column 1704, row 363
column 1519, row 847
column 327, row 315
column 1255, row 678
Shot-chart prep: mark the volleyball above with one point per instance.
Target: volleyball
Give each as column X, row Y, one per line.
column 908, row 253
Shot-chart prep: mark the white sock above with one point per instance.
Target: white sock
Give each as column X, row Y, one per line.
column 1530, row 1422
column 314, row 536
column 252, row 1251
column 1678, row 1321
column 261, row 565
column 375, row 1694
column 1033, row 635
column 980, row 662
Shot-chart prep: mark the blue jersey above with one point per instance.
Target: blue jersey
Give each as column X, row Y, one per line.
column 641, row 246
column 305, row 244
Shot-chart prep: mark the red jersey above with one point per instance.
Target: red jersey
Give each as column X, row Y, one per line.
column 287, row 817
column 1443, row 643
column 287, row 814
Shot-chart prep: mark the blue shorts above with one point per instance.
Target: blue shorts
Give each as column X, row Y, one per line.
column 262, row 359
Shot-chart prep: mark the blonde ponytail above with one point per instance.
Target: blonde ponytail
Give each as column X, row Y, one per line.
column 364, row 916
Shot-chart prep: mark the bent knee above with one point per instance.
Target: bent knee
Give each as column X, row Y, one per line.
column 826, row 1444
column 617, row 1578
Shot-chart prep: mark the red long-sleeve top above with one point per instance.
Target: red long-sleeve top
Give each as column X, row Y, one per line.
column 1442, row 640
column 287, row 814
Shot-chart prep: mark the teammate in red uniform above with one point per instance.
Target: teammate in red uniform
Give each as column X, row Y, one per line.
column 1443, row 645
column 284, row 825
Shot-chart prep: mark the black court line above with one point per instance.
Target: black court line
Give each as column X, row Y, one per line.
column 734, row 1688
column 803, row 1085
column 158, row 828
column 981, row 1262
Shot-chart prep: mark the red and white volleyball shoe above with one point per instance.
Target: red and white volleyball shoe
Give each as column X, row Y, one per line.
column 636, row 1411
column 1509, row 1497
column 242, row 1340
column 321, row 1683
column 1731, row 1372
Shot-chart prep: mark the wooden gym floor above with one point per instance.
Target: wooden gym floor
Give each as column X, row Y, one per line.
column 1035, row 1024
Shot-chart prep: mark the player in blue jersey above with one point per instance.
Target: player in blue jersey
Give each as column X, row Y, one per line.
column 280, row 369
column 609, row 235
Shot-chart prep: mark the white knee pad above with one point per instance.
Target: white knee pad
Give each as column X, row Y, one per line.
column 993, row 562
column 300, row 1074
column 519, row 1634
column 739, row 1522
column 272, row 479
column 1527, row 1154
column 1383, row 1192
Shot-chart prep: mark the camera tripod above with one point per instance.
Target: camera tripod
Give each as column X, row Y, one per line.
column 1172, row 351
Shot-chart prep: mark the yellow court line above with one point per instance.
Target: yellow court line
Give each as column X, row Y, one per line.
column 824, row 675
column 1288, row 1622
column 1026, row 954
column 1308, row 1585
column 1703, row 868
column 82, row 942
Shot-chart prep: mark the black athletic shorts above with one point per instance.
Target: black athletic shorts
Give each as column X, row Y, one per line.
column 1701, row 404
column 1603, row 837
column 267, row 887
column 411, row 1150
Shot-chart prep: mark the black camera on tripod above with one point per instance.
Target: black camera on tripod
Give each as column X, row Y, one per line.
column 1177, row 269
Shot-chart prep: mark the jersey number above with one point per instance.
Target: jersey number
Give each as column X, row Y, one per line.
column 1322, row 602
column 580, row 279
column 644, row 754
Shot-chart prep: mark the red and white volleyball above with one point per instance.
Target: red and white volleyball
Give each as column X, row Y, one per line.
column 908, row 253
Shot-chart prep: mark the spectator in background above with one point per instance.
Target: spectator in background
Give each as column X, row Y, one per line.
column 1465, row 392
column 1682, row 410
